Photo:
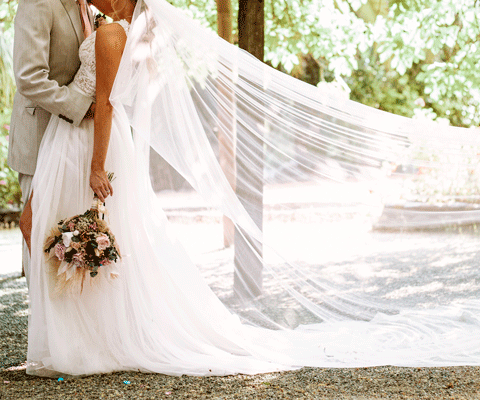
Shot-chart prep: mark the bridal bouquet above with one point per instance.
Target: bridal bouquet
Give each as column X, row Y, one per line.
column 81, row 246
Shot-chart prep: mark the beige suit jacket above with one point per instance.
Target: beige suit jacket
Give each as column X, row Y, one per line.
column 48, row 34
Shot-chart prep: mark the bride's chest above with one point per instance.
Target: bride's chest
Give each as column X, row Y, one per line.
column 86, row 52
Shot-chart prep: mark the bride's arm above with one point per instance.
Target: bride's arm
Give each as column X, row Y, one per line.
column 109, row 45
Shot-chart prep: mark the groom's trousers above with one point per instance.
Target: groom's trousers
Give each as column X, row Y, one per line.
column 25, row 182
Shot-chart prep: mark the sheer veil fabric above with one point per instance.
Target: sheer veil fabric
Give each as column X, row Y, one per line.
column 212, row 112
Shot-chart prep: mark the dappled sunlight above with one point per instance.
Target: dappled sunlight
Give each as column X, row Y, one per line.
column 412, row 290
column 416, row 268
column 21, row 313
column 413, row 268
column 449, row 260
column 12, row 291
column 21, row 367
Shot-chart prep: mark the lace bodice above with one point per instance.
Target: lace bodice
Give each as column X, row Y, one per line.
column 85, row 77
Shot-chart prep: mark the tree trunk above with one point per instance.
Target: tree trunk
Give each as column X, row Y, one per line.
column 251, row 27
column 224, row 20
column 248, row 252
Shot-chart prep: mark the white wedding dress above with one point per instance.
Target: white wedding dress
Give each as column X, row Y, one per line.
column 159, row 315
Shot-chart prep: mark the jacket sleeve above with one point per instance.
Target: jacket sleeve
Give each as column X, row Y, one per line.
column 33, row 24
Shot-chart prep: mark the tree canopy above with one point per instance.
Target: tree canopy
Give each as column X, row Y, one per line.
column 410, row 57
column 7, row 84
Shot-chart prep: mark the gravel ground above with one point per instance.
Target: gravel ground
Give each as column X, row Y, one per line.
column 307, row 383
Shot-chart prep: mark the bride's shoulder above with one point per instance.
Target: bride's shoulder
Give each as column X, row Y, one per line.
column 124, row 24
column 112, row 35
column 113, row 27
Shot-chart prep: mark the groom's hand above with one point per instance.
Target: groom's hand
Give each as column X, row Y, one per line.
column 91, row 112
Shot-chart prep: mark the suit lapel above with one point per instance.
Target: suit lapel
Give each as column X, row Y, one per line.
column 74, row 14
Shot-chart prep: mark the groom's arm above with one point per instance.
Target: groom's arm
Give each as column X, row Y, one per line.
column 33, row 25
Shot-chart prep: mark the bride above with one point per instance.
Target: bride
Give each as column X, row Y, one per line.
column 162, row 81
column 158, row 316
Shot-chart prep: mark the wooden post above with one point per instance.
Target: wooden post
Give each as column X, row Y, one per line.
column 249, row 187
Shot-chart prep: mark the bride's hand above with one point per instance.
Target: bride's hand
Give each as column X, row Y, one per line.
column 100, row 184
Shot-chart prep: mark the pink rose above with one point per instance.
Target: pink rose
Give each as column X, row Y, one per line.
column 78, row 260
column 7, row 128
column 3, row 182
column 60, row 251
column 103, row 242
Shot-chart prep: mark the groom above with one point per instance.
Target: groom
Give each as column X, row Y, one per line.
column 48, row 34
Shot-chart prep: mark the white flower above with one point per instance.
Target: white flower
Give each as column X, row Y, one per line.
column 67, row 238
column 76, row 233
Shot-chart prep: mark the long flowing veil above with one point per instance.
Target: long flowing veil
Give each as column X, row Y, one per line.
column 302, row 174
